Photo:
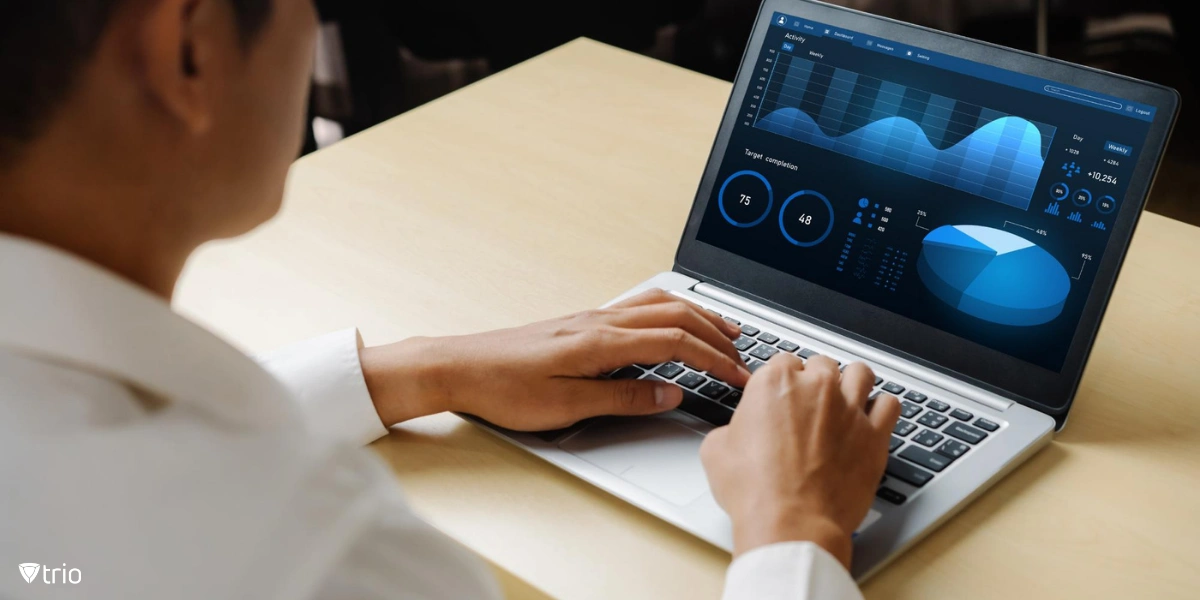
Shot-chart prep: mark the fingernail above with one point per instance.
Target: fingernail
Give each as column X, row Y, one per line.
column 666, row 394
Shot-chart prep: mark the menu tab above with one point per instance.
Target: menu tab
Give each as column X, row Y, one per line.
column 954, row 64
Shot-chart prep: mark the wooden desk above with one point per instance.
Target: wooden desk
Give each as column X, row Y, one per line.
column 556, row 185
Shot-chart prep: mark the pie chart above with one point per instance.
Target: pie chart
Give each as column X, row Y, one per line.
column 993, row 275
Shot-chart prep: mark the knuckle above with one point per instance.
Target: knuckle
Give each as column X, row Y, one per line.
column 595, row 336
column 677, row 337
column 679, row 310
column 825, row 377
column 590, row 314
column 626, row 395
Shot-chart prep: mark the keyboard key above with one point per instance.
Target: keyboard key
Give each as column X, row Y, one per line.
column 743, row 343
column 702, row 408
column 733, row 399
column 928, row 438
column 749, row 330
column 903, row 428
column 906, row 472
column 893, row 388
column 755, row 365
column 909, row 410
column 930, row 460
column 895, row 443
column 878, row 380
column 890, row 495
column 938, row 405
column 786, row 346
column 706, row 410
column 807, row 353
column 916, row 396
column 932, row 420
column 764, row 352
column 668, row 371
column 690, row 380
column 745, row 357
column 768, row 338
column 952, row 449
column 732, row 320
column 626, row 373
column 961, row 414
column 646, row 367
column 965, row 433
column 713, row 390
column 983, row 423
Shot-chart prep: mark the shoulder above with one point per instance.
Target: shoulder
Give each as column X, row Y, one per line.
column 170, row 503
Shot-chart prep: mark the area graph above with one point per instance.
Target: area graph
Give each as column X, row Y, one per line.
column 951, row 142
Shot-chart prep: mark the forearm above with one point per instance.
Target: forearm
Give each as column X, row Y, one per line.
column 406, row 379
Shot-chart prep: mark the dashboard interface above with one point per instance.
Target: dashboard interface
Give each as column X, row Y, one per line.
column 961, row 195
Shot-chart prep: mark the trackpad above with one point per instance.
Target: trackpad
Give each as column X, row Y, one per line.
column 657, row 455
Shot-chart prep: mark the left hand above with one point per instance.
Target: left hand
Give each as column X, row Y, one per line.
column 544, row 376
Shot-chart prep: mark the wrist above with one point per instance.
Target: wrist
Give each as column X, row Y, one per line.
column 797, row 525
column 402, row 380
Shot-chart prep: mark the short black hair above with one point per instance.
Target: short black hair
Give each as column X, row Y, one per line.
column 45, row 43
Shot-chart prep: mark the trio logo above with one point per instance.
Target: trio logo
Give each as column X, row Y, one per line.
column 30, row 572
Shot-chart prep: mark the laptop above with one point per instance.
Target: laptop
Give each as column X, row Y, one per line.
column 950, row 212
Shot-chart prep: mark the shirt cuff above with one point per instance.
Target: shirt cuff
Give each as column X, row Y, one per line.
column 791, row 571
column 325, row 375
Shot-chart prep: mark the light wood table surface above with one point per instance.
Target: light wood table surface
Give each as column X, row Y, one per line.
column 556, row 185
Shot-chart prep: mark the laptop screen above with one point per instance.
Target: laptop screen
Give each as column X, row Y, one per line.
column 961, row 195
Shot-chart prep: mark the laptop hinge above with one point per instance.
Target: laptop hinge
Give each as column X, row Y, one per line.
column 861, row 350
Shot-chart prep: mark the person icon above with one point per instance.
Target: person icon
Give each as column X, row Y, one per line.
column 858, row 219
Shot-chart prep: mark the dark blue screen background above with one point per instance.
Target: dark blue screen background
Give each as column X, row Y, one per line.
column 878, row 256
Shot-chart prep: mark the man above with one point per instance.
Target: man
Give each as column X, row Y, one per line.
column 152, row 460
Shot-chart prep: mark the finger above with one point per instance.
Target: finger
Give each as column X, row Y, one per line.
column 653, row 296
column 634, row 397
column 651, row 346
column 786, row 360
column 657, row 296
column 823, row 365
column 857, row 382
column 885, row 411
column 674, row 314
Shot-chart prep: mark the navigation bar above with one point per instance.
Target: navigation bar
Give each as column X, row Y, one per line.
column 1143, row 112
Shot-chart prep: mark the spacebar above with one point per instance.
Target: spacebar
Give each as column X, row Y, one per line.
column 702, row 408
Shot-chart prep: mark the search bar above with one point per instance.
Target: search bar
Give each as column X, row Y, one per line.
column 1082, row 97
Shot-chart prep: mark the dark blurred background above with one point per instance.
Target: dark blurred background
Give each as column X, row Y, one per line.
column 379, row 58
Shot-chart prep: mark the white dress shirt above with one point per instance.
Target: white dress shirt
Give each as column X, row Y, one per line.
column 143, row 457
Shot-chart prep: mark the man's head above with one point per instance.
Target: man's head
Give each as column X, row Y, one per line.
column 173, row 121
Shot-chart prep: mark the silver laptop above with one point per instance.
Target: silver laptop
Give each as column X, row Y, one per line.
column 949, row 212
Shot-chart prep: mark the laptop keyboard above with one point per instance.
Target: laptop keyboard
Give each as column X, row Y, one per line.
column 928, row 438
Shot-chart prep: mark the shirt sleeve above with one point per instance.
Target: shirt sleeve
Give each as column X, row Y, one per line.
column 325, row 375
column 789, row 571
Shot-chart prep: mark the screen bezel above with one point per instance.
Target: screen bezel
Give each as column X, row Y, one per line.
column 1000, row 373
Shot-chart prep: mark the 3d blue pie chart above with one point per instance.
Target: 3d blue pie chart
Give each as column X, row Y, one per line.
column 993, row 275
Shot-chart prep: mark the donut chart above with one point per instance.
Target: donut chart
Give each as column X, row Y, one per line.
column 806, row 218
column 745, row 199
column 993, row 275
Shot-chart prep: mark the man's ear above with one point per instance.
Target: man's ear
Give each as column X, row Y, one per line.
column 185, row 47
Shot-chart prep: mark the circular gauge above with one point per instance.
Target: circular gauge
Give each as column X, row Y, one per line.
column 806, row 218
column 745, row 199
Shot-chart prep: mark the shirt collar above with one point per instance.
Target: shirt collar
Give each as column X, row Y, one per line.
column 58, row 307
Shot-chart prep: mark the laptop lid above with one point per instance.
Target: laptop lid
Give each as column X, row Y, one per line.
column 959, row 204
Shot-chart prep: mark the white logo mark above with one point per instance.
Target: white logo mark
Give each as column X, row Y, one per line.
column 29, row 571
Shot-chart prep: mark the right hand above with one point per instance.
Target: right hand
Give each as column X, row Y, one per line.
column 802, row 457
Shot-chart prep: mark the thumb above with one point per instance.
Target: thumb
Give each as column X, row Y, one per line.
column 629, row 397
